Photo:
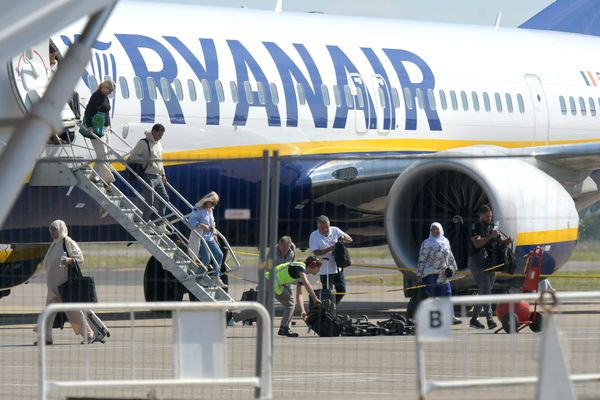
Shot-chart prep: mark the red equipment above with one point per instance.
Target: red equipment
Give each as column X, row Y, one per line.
column 520, row 317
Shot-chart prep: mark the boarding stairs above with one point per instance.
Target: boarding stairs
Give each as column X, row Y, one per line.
column 157, row 237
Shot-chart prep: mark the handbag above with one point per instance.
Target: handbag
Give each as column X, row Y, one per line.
column 77, row 288
column 97, row 126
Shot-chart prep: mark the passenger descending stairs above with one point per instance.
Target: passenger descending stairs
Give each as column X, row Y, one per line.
column 159, row 244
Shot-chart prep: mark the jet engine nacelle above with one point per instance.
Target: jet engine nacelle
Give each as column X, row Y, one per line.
column 528, row 204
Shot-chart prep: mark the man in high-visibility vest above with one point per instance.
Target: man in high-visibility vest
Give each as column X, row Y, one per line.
column 287, row 274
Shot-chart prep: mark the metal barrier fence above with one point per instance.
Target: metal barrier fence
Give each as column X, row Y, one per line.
column 198, row 344
column 542, row 360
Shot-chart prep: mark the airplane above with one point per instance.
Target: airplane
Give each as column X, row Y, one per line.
column 384, row 125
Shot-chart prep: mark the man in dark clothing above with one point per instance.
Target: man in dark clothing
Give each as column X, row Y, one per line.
column 484, row 239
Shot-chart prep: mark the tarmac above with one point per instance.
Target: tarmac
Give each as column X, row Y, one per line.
column 307, row 367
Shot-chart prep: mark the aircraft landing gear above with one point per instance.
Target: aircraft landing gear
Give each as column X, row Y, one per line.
column 160, row 285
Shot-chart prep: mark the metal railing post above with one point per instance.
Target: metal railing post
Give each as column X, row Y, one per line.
column 262, row 260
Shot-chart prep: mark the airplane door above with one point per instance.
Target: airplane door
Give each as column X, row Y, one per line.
column 29, row 75
column 358, row 97
column 540, row 108
column 383, row 104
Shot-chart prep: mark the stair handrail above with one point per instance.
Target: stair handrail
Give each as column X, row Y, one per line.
column 180, row 217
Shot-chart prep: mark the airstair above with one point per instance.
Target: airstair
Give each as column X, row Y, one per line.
column 158, row 237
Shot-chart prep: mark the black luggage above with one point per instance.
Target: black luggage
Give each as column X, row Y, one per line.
column 341, row 255
column 360, row 327
column 249, row 295
column 322, row 318
column 98, row 327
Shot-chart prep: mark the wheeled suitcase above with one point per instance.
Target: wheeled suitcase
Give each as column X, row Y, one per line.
column 322, row 318
column 98, row 327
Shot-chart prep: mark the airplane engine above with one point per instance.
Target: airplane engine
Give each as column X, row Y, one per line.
column 528, row 204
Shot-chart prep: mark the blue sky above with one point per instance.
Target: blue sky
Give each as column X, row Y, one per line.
column 482, row 12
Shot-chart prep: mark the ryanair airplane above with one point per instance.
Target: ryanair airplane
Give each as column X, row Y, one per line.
column 386, row 125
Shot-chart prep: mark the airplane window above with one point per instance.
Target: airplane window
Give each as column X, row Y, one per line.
column 165, row 88
column 361, row 99
column 137, row 85
column 509, row 105
column 262, row 97
column 464, row 100
column 572, row 104
column 125, row 89
column 325, row 94
column 178, row 89
column 274, row 93
column 408, row 98
column 486, row 102
column 443, row 101
column 337, row 96
column 475, row 101
column 563, row 105
column 220, row 91
column 431, row 98
column 192, row 90
column 520, row 103
column 234, row 92
column 420, row 101
column 453, row 100
column 582, row 106
column 151, row 87
column 248, row 92
column 395, row 97
column 92, row 83
column 301, row 94
column 381, row 94
column 206, row 90
column 592, row 107
column 348, row 97
column 498, row 102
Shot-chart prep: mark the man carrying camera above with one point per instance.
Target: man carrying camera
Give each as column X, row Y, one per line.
column 485, row 238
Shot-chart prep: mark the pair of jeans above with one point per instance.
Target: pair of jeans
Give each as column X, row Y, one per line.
column 211, row 246
column 435, row 289
column 152, row 199
column 335, row 280
column 485, row 283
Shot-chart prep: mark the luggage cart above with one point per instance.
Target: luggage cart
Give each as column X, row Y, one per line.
column 520, row 316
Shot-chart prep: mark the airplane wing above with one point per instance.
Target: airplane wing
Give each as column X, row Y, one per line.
column 584, row 157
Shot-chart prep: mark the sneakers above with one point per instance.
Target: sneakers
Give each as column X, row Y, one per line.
column 474, row 323
column 456, row 321
column 163, row 228
column 287, row 332
column 491, row 324
column 217, row 281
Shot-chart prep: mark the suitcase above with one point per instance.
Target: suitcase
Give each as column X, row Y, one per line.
column 98, row 327
column 322, row 318
column 249, row 295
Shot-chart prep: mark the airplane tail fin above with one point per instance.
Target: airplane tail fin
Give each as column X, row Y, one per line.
column 575, row 16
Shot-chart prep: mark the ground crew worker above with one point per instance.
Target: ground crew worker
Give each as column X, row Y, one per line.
column 284, row 276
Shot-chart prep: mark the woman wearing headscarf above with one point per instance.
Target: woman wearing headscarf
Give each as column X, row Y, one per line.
column 95, row 119
column 202, row 222
column 436, row 264
column 57, row 274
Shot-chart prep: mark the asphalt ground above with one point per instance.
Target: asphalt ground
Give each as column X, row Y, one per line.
column 306, row 367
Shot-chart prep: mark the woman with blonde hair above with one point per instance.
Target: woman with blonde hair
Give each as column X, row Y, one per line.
column 96, row 119
column 202, row 237
column 57, row 265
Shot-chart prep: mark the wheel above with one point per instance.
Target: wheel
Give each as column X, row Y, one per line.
column 160, row 285
column 506, row 323
column 539, row 320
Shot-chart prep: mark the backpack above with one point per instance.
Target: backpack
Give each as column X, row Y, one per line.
column 136, row 167
column 341, row 255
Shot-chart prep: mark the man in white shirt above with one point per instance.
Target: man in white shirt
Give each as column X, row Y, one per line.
column 322, row 243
